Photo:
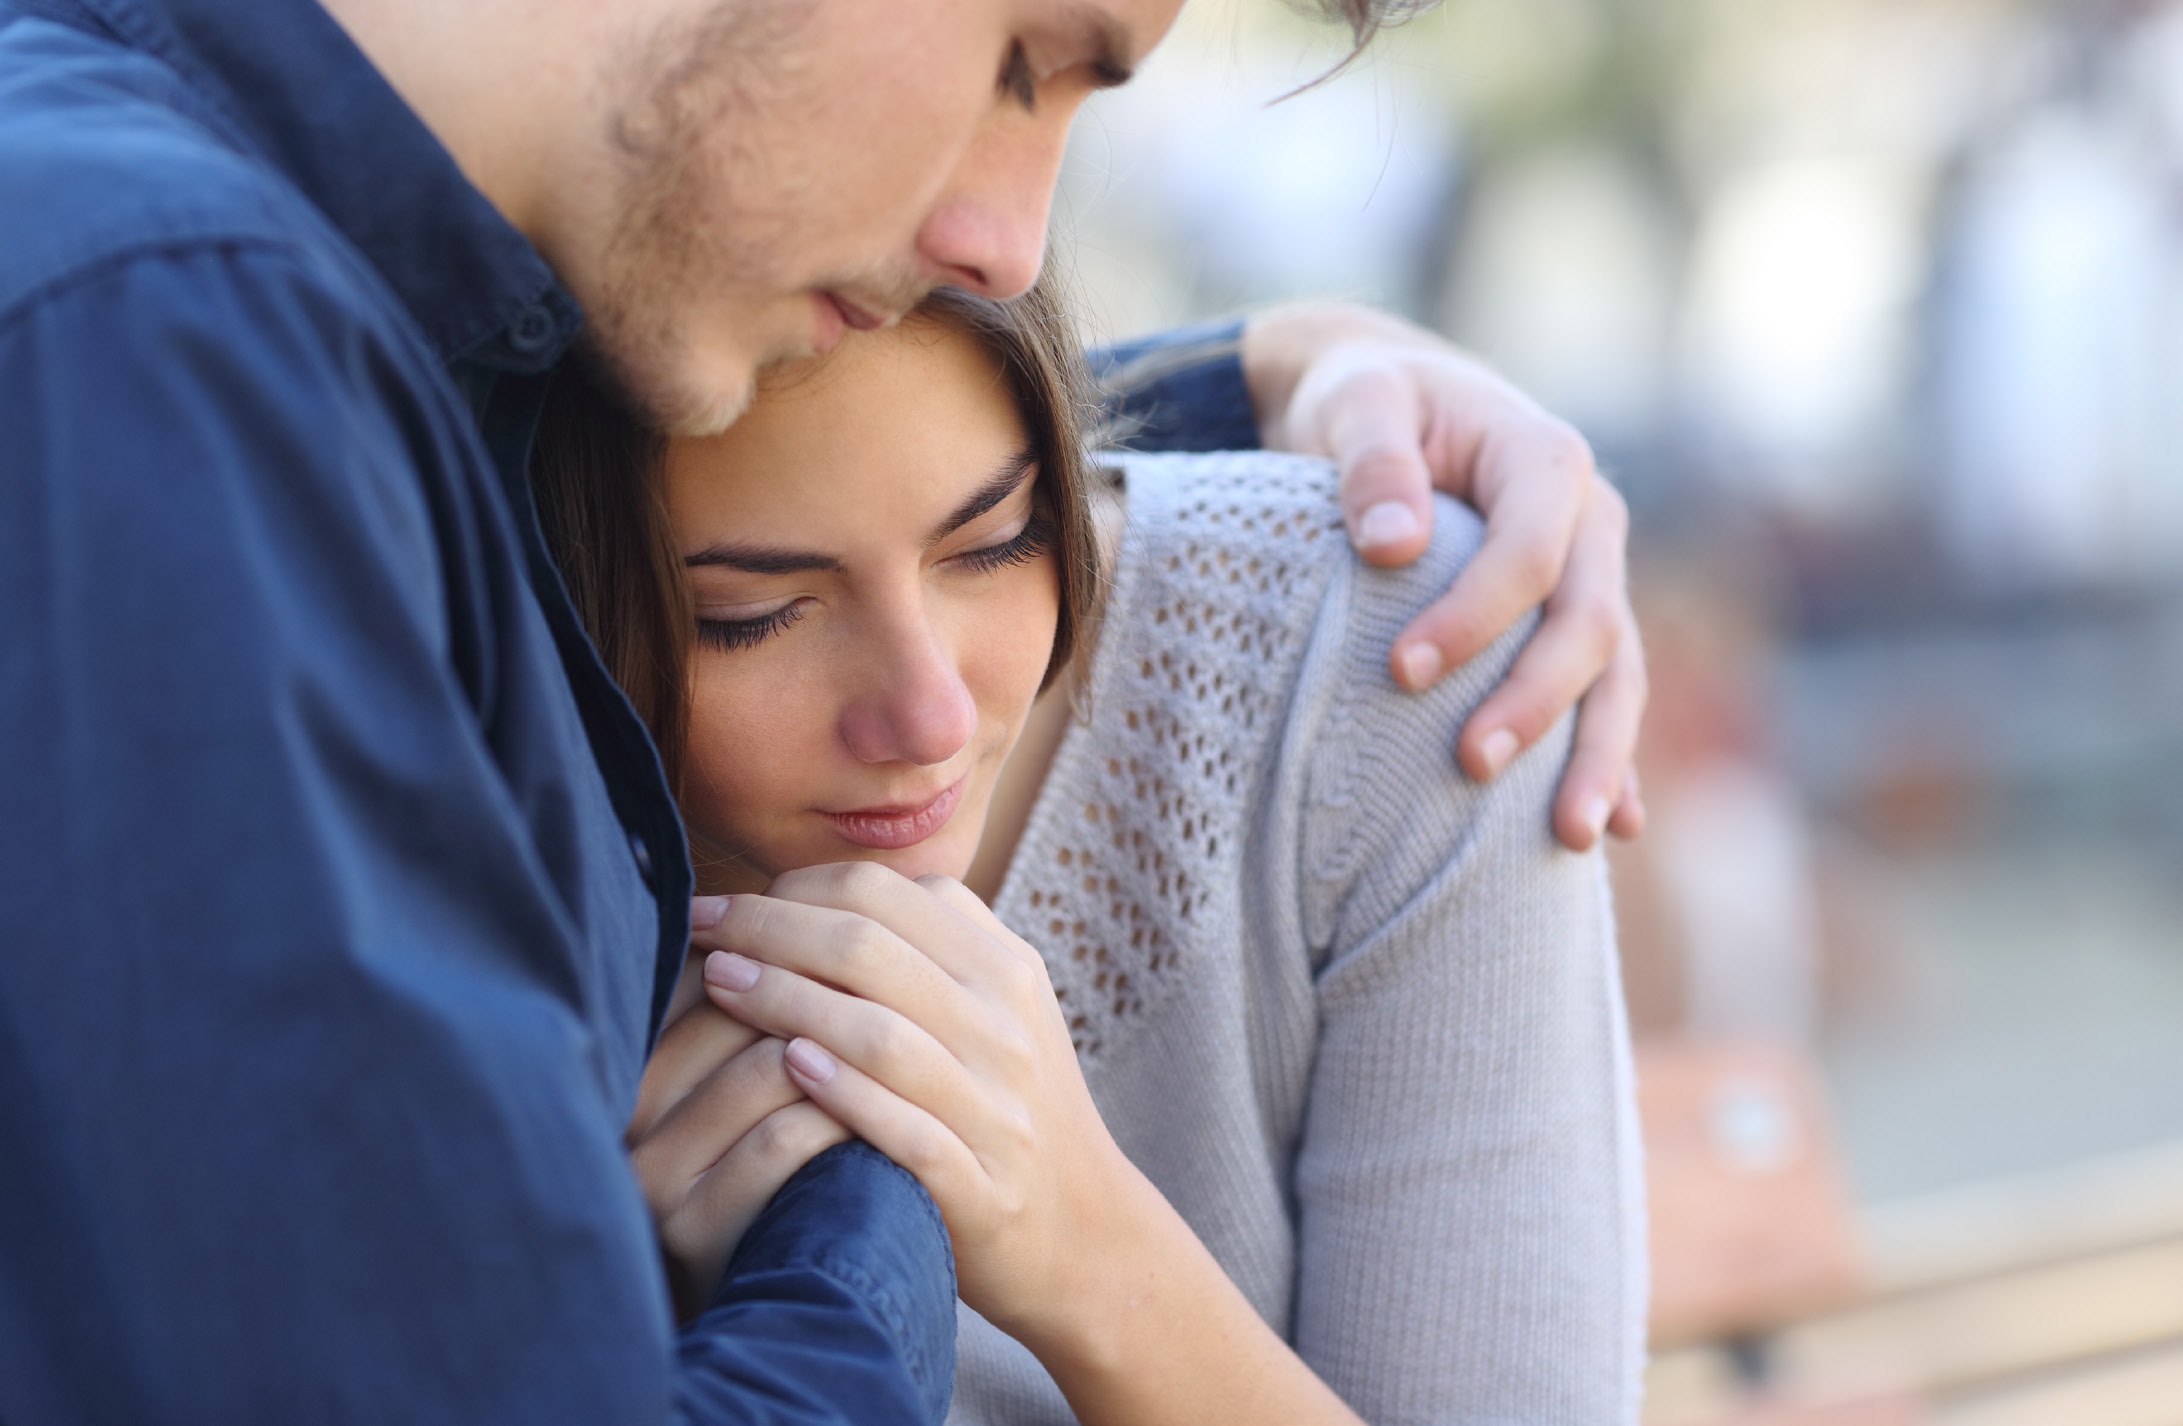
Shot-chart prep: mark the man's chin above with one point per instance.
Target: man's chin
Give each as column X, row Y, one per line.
column 709, row 417
column 684, row 402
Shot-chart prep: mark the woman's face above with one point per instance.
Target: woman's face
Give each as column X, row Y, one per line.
column 876, row 599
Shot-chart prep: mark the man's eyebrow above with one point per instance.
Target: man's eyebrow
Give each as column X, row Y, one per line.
column 759, row 559
column 1003, row 483
column 1108, row 41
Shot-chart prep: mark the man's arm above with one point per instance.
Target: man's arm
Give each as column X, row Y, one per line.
column 1404, row 412
column 299, row 1113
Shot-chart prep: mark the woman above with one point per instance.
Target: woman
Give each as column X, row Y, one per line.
column 1314, row 1096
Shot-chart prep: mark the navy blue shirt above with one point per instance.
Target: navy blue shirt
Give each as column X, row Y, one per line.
column 340, row 892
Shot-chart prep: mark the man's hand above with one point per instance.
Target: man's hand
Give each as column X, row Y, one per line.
column 719, row 1127
column 1403, row 412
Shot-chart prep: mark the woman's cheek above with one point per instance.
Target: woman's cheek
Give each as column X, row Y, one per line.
column 1037, row 619
column 751, row 754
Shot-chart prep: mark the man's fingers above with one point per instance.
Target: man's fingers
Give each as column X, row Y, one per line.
column 1628, row 820
column 1536, row 535
column 700, row 1233
column 730, row 1194
column 697, row 1043
column 1587, row 626
column 1600, row 785
column 704, row 1124
column 1372, row 423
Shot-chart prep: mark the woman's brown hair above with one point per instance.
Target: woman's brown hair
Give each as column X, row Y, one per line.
column 595, row 472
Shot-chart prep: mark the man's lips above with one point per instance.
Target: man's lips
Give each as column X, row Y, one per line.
column 835, row 314
column 863, row 319
column 887, row 829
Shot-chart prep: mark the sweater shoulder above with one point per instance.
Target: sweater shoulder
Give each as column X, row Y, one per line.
column 1226, row 559
column 1252, row 637
column 1125, row 876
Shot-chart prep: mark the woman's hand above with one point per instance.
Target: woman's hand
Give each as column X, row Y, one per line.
column 931, row 1030
column 718, row 1128
column 945, row 1049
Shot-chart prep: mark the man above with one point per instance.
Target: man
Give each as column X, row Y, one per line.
column 340, row 891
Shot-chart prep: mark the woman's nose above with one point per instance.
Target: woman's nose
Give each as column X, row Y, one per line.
column 916, row 707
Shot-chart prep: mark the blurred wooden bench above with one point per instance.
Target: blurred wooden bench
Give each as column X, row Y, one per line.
column 2052, row 1300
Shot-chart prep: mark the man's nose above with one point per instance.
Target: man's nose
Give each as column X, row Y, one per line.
column 988, row 231
column 916, row 707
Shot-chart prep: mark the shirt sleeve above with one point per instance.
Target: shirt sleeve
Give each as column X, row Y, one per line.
column 1181, row 390
column 1471, row 1236
column 300, row 1117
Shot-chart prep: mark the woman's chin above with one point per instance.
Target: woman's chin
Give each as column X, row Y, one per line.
column 927, row 858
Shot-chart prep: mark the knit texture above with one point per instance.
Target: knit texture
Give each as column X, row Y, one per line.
column 1357, row 1016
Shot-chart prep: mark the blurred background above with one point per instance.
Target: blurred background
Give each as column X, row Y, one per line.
column 1874, row 310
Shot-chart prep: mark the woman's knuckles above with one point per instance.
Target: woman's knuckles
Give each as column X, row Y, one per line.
column 859, row 951
column 887, row 1047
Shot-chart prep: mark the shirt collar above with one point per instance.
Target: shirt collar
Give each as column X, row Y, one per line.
column 295, row 89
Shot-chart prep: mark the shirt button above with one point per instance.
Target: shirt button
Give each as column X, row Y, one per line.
column 533, row 331
column 643, row 854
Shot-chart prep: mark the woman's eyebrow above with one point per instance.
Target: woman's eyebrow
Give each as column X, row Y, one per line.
column 1003, row 483
column 760, row 559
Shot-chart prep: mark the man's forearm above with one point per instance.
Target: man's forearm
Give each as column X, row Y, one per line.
column 839, row 1306
column 1181, row 390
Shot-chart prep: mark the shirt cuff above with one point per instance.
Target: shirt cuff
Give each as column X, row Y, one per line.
column 1181, row 390
column 839, row 1305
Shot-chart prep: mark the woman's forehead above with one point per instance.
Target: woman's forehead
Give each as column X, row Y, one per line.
column 902, row 428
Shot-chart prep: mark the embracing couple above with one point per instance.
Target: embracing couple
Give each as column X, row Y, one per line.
column 608, row 875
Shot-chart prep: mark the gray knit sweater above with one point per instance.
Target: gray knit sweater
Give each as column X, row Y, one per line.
column 1357, row 1016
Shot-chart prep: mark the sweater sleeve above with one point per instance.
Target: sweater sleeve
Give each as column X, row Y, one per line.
column 1471, row 1236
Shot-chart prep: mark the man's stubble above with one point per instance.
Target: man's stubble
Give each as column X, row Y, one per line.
column 709, row 217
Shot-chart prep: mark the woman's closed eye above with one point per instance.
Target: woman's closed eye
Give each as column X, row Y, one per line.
column 728, row 628
column 1033, row 540
column 742, row 632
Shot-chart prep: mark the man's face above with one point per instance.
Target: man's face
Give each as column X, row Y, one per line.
column 777, row 170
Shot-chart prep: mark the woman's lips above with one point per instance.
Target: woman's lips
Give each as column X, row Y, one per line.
column 886, row 829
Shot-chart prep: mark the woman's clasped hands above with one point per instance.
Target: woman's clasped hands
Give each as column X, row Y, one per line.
column 903, row 1012
column 909, row 1014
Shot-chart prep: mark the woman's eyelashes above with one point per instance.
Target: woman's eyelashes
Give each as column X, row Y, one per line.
column 1030, row 543
column 1036, row 537
column 731, row 634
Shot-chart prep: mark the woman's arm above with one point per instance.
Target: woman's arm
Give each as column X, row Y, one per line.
column 950, row 1054
column 1470, row 1229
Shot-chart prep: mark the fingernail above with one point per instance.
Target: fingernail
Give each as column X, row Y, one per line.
column 706, row 911
column 1595, row 815
column 730, row 971
column 1420, row 665
column 810, row 1061
column 1388, row 523
column 1498, row 748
